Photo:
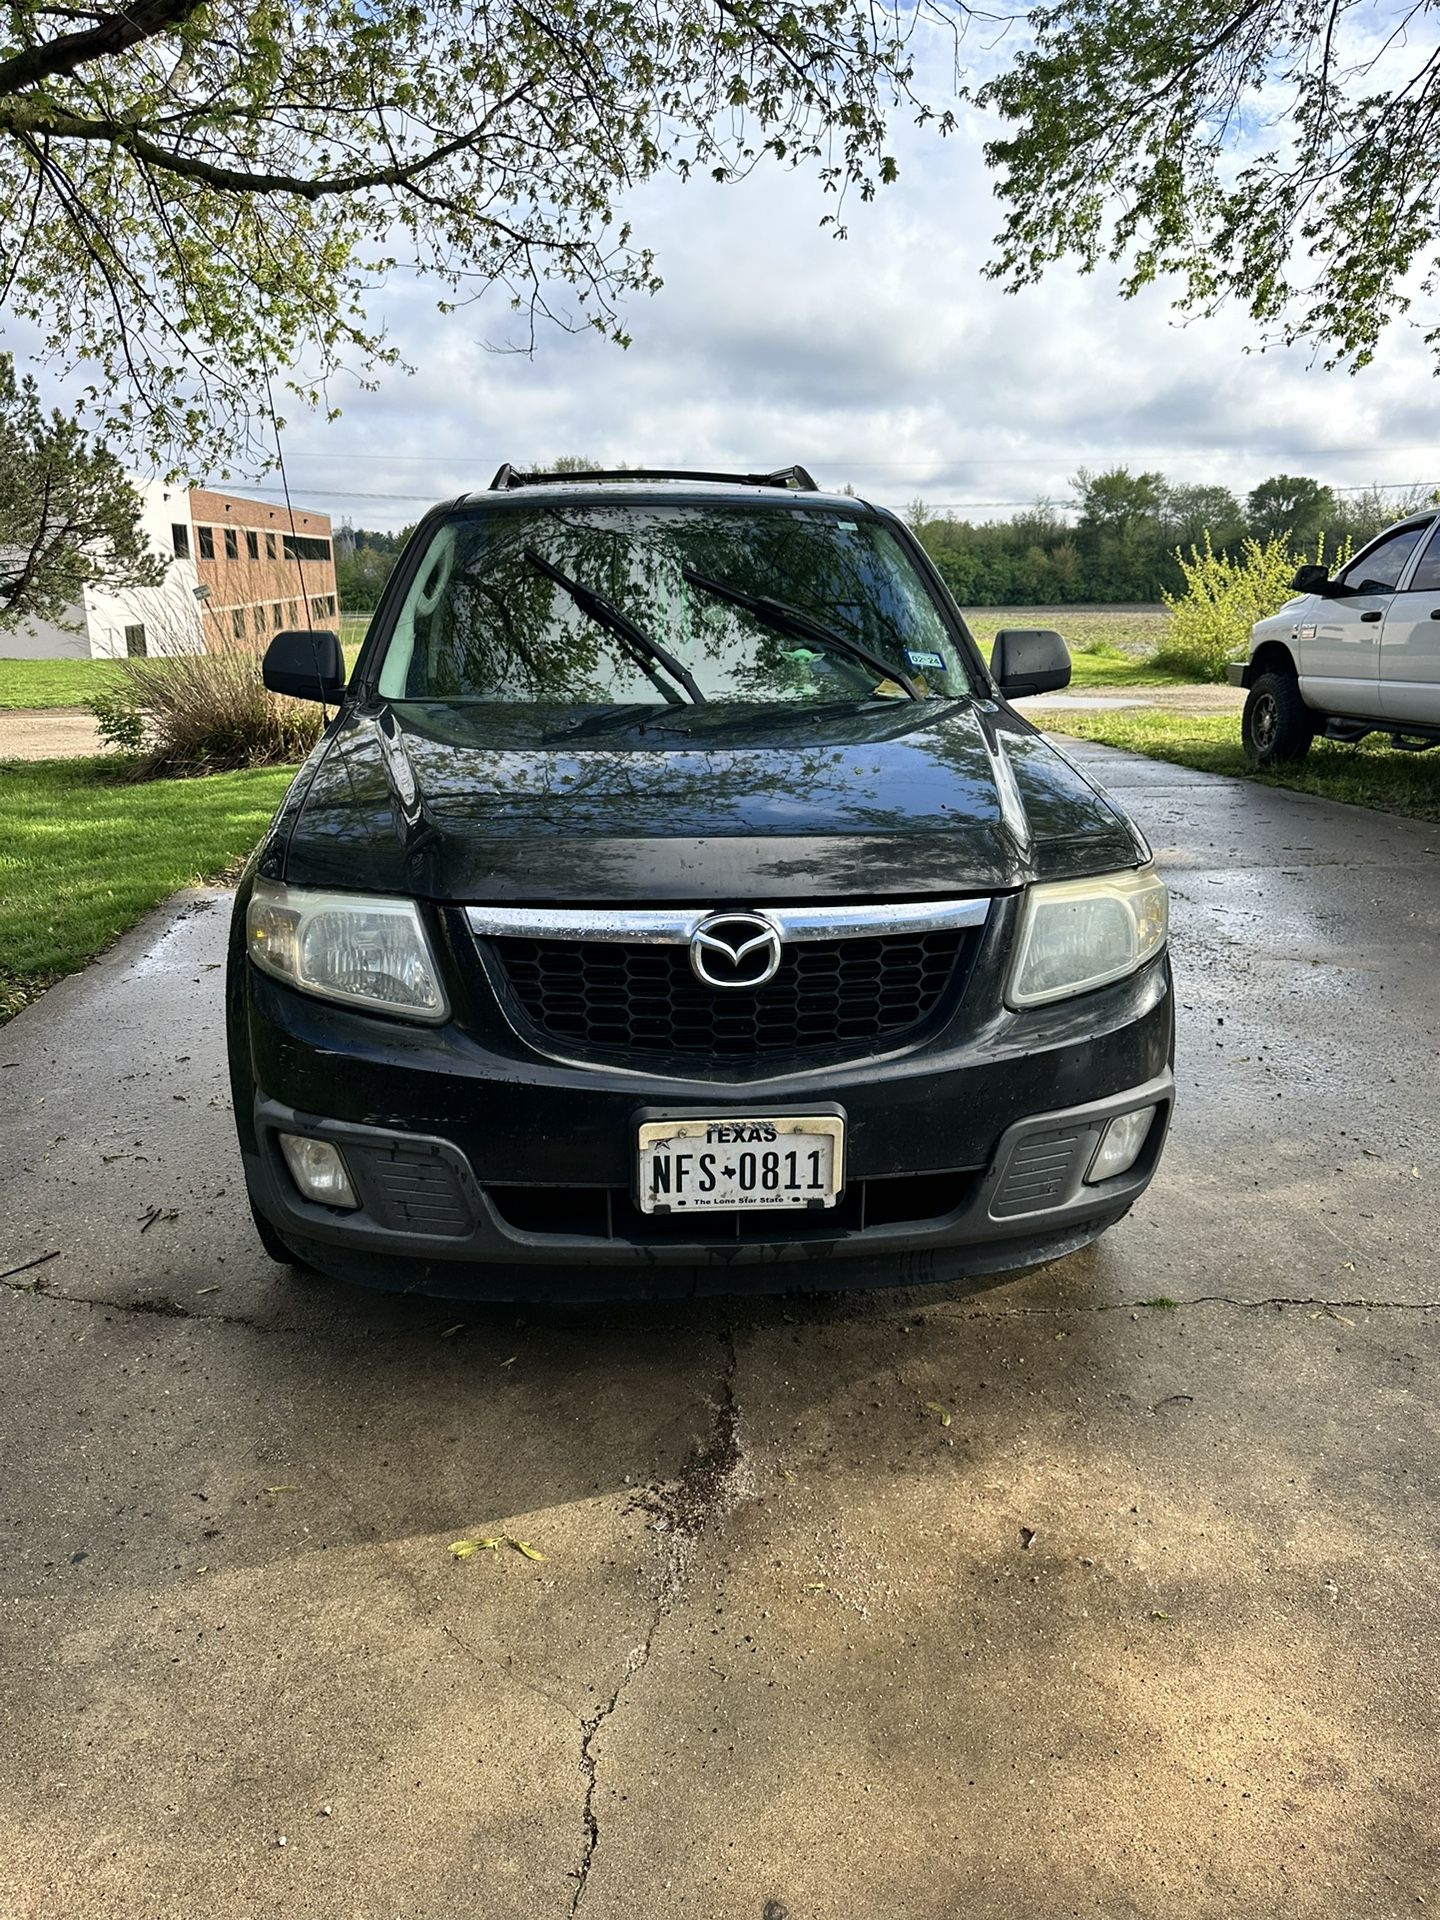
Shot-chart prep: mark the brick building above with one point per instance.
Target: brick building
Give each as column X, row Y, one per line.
column 236, row 573
column 255, row 575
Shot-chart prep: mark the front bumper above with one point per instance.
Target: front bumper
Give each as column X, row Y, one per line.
column 489, row 1174
column 1237, row 672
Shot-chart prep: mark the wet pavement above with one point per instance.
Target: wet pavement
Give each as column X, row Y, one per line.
column 1147, row 1629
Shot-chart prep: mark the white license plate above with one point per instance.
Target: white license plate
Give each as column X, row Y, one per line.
column 711, row 1165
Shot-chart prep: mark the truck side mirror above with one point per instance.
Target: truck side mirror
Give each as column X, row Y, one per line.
column 1029, row 660
column 1310, row 580
column 306, row 665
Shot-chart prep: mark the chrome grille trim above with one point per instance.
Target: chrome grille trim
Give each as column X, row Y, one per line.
column 674, row 926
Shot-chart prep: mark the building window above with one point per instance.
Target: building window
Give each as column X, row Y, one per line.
column 257, row 620
column 180, row 540
column 135, row 642
column 330, row 603
column 237, row 622
column 232, row 544
column 269, row 546
column 293, row 610
column 277, row 614
column 252, row 545
column 304, row 546
column 206, row 537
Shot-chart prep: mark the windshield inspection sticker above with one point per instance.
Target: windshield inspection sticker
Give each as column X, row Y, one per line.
column 918, row 659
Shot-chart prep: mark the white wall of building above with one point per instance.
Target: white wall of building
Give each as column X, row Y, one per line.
column 95, row 629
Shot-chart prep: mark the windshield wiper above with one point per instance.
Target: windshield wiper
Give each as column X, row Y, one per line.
column 788, row 619
column 621, row 625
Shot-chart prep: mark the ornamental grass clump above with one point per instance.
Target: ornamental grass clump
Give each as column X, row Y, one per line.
column 208, row 712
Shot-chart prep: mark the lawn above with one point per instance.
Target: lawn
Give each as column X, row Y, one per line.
column 1370, row 775
column 84, row 855
column 53, row 683
column 1109, row 646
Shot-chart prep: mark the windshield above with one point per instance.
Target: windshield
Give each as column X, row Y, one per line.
column 613, row 605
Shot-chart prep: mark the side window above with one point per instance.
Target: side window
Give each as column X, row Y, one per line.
column 1426, row 578
column 1379, row 570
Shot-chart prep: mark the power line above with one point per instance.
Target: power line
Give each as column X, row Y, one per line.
column 1310, row 454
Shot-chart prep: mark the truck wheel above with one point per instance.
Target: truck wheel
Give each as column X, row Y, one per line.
column 1277, row 725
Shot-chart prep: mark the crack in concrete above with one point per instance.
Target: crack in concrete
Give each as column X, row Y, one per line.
column 1204, row 1300
column 710, row 1486
column 159, row 1306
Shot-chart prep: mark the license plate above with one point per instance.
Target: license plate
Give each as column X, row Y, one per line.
column 706, row 1166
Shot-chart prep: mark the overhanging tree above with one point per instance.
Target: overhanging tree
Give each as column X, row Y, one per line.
column 195, row 194
column 1282, row 153
column 68, row 515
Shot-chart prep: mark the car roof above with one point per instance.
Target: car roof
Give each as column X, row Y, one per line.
column 643, row 492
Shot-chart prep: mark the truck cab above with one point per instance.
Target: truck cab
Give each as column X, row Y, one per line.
column 1355, row 654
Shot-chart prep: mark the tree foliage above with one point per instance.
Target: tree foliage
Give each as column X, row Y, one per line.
column 196, row 193
column 1283, row 153
column 1290, row 505
column 1122, row 539
column 68, row 515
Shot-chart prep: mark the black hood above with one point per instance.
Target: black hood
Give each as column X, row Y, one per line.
column 475, row 802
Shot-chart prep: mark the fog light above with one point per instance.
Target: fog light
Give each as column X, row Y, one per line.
column 318, row 1170
column 1120, row 1145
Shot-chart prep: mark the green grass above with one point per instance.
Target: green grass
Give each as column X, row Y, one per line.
column 53, row 683
column 1370, row 775
column 84, row 855
column 1109, row 646
column 35, row 684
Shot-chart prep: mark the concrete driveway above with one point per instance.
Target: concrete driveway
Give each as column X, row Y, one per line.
column 1148, row 1629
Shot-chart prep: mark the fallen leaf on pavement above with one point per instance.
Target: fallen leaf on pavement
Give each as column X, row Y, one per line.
column 934, row 1406
column 524, row 1546
column 462, row 1549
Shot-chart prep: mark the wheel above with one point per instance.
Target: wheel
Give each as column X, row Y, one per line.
column 1277, row 725
column 271, row 1241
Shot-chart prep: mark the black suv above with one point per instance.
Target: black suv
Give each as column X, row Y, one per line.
column 675, row 903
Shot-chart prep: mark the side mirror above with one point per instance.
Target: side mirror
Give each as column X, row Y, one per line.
column 307, row 666
column 1310, row 580
column 1029, row 660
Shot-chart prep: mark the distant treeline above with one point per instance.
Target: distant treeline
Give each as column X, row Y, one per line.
column 1117, row 542
column 362, row 564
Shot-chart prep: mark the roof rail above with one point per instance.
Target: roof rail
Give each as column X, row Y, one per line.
column 791, row 479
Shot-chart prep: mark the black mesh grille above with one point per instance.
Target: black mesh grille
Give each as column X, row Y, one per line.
column 828, row 994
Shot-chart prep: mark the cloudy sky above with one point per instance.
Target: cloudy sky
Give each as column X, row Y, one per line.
column 885, row 361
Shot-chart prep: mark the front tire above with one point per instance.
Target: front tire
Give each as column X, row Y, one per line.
column 1276, row 726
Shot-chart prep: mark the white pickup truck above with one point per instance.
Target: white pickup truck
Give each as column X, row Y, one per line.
column 1354, row 655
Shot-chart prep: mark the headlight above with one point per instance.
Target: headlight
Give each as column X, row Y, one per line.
column 1078, row 934
column 355, row 947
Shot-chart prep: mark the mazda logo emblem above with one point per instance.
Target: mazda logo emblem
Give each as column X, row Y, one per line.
column 735, row 950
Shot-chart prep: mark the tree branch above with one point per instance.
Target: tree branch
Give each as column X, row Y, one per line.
column 115, row 34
